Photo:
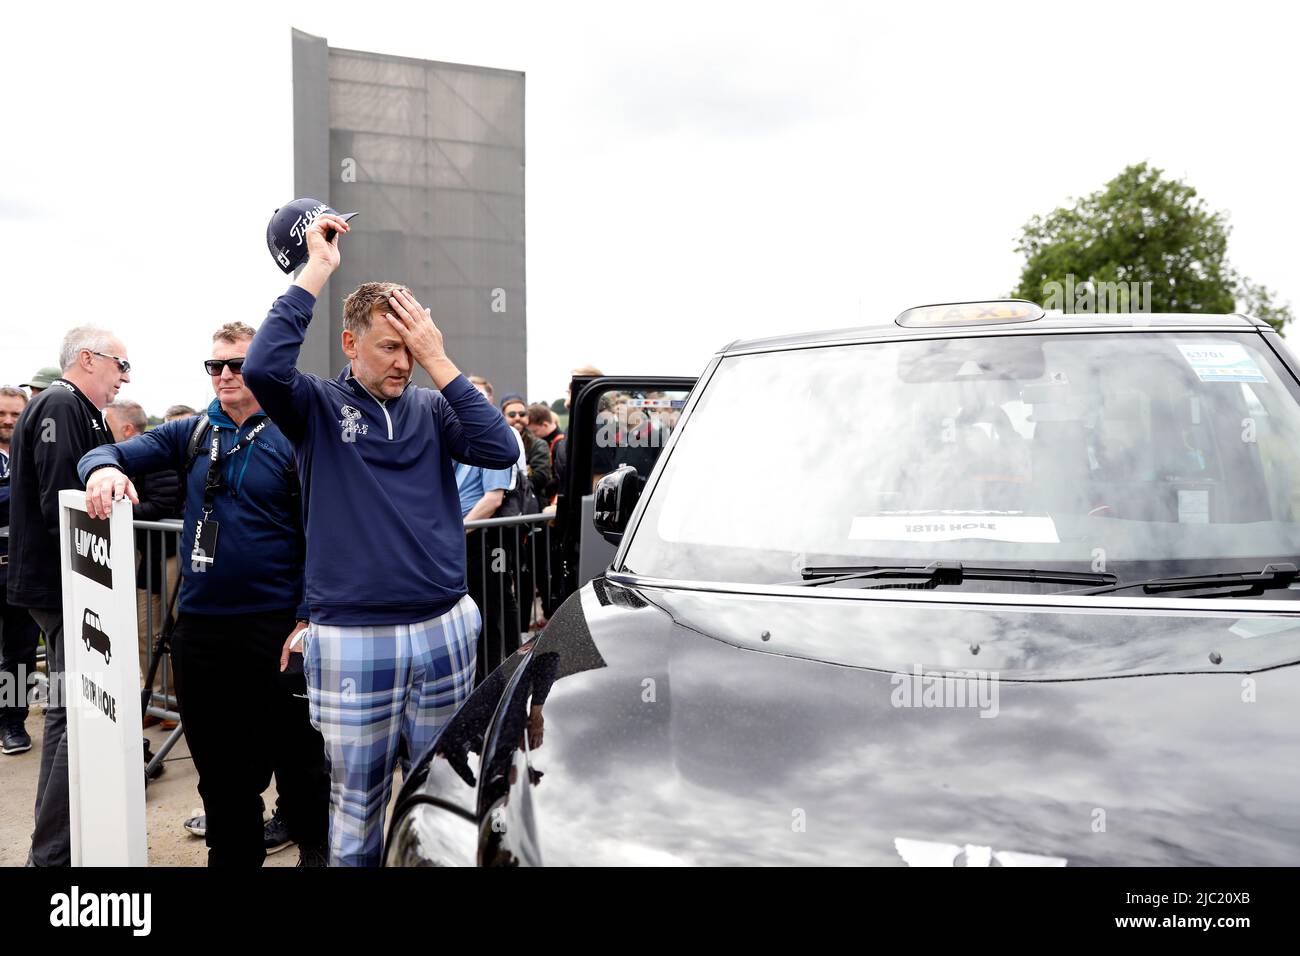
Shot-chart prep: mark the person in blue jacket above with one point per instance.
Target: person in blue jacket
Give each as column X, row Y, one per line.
column 390, row 652
column 241, row 553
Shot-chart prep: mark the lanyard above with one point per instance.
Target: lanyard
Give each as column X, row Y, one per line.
column 216, row 474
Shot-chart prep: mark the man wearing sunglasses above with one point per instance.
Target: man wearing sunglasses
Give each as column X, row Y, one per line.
column 515, row 409
column 242, row 553
column 55, row 430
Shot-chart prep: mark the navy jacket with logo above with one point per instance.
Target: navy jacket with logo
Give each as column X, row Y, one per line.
column 260, row 547
column 385, row 540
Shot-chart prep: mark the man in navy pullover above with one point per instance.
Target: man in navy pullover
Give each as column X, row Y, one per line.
column 391, row 648
column 242, row 594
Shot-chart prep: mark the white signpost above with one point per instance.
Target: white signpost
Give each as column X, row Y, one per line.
column 102, row 686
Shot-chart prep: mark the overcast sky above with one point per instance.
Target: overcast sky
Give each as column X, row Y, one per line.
column 696, row 172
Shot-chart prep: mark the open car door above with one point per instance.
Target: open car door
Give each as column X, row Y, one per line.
column 613, row 420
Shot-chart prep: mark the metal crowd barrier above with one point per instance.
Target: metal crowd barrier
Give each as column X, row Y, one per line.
column 164, row 587
column 509, row 569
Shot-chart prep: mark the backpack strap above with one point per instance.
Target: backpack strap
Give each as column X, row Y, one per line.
column 196, row 439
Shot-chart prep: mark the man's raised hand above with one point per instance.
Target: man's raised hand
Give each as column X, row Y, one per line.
column 322, row 257
column 318, row 248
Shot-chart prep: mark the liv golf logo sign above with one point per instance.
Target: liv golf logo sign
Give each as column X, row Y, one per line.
column 90, row 547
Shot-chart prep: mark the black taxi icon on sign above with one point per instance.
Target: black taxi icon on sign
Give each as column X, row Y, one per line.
column 93, row 636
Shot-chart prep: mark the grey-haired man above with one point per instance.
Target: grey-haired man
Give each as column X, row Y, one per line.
column 55, row 430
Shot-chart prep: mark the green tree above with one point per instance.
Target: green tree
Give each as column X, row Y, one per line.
column 1254, row 299
column 1139, row 228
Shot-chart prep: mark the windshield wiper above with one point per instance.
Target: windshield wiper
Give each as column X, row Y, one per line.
column 1273, row 577
column 938, row 573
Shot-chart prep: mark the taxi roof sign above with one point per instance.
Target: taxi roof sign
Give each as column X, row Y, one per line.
column 970, row 313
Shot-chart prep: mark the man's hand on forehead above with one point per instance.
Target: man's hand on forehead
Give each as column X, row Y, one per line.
column 414, row 324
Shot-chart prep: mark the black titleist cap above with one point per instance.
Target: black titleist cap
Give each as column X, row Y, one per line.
column 286, row 233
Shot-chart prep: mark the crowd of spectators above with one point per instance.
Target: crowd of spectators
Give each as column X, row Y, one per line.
column 505, row 565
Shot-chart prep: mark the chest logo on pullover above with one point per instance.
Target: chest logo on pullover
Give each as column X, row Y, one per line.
column 351, row 424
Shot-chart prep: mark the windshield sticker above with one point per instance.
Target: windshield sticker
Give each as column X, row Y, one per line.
column 1193, row 506
column 1221, row 362
column 1020, row 529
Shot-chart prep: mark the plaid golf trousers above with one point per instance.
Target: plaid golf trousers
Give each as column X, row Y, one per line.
column 370, row 687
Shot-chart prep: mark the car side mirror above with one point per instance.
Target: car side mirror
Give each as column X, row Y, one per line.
column 616, row 495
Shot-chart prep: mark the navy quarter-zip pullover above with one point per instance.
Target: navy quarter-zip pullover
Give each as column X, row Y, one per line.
column 385, row 540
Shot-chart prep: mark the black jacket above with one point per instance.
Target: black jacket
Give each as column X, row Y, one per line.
column 539, row 463
column 558, row 448
column 160, row 498
column 56, row 428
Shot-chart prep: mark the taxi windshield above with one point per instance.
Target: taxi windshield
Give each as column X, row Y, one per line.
column 1144, row 453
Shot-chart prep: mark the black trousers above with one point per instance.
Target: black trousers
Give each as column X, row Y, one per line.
column 19, row 635
column 243, row 723
column 52, row 834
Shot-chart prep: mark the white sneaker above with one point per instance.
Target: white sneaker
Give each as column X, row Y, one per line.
column 197, row 824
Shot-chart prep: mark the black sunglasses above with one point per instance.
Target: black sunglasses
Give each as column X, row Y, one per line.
column 214, row 366
column 516, row 414
column 123, row 365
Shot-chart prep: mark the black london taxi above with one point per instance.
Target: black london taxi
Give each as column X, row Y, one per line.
column 982, row 586
column 93, row 636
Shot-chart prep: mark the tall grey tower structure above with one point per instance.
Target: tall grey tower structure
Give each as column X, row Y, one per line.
column 431, row 156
